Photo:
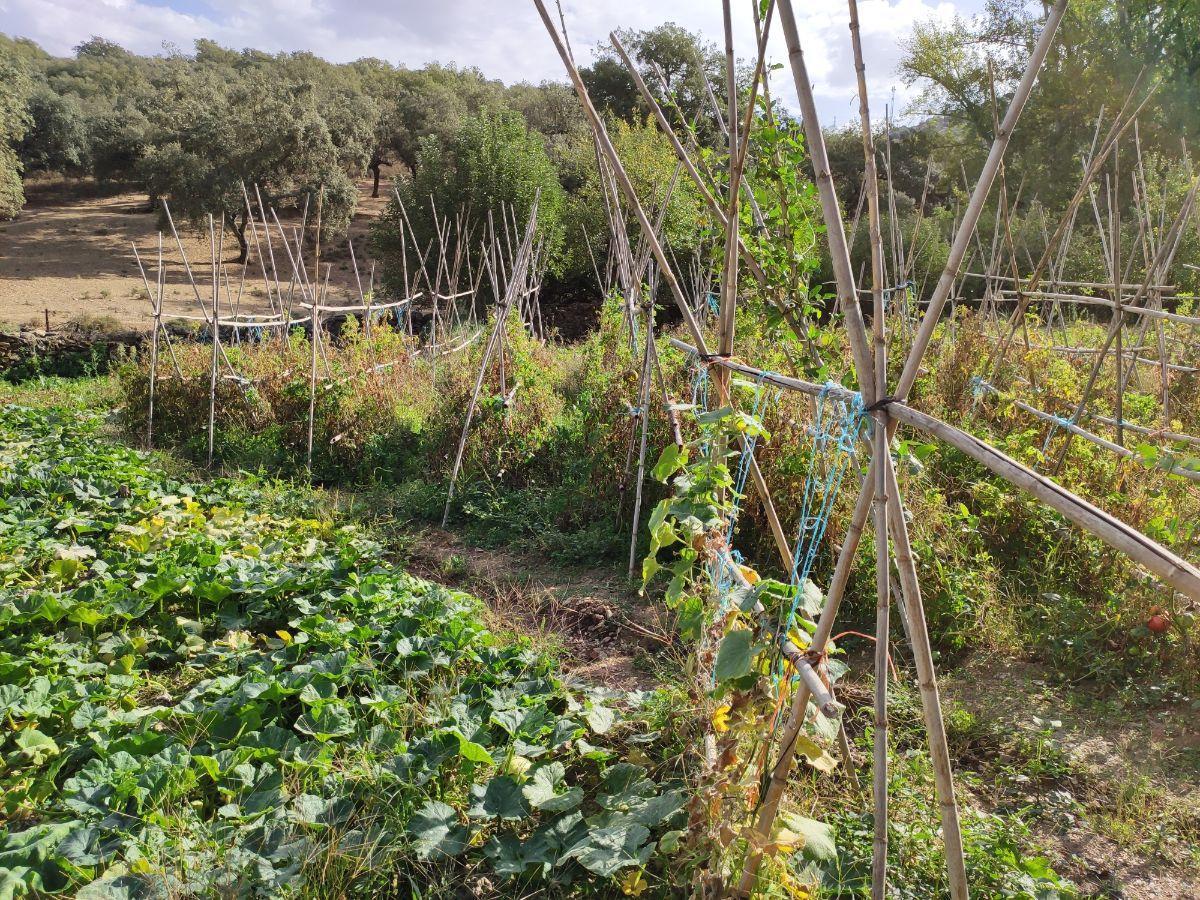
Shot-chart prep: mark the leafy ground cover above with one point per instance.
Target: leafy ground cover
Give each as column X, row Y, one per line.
column 206, row 690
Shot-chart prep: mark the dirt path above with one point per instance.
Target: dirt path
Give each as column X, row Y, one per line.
column 606, row 635
column 70, row 252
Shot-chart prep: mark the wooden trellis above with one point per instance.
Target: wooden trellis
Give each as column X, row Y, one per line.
column 295, row 301
column 888, row 404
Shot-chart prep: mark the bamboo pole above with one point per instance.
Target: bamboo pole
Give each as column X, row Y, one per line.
column 935, row 729
column 1151, row 432
column 830, row 210
column 879, row 503
column 710, row 201
column 644, row 420
column 821, row 694
column 154, row 347
column 1094, row 285
column 1099, row 158
column 1115, row 242
column 1171, row 569
column 312, row 386
column 664, row 266
column 971, row 214
column 798, row 712
column 729, row 277
column 216, row 338
column 155, row 298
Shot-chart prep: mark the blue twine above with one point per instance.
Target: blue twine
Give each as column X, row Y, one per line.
column 836, row 427
column 762, row 400
column 840, row 420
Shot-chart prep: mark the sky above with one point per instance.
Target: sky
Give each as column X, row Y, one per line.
column 503, row 38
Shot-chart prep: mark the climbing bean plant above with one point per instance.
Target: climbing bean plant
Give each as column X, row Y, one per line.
column 730, row 620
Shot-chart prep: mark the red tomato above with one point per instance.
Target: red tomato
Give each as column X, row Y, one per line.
column 1158, row 624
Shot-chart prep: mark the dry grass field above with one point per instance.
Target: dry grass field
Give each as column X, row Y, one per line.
column 70, row 252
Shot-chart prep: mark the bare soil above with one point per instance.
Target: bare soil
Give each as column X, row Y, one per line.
column 70, row 252
column 606, row 635
column 1136, row 759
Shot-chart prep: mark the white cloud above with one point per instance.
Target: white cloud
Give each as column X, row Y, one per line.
column 504, row 39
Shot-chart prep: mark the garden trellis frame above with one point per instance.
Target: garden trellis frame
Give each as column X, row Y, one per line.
column 880, row 488
column 223, row 317
column 1142, row 301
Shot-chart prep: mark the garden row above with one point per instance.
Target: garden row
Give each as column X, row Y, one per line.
column 206, row 688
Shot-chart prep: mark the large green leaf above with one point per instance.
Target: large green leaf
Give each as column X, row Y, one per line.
column 35, row 746
column 735, row 656
column 436, row 831
column 819, row 842
column 545, row 790
column 607, row 850
column 501, row 798
column 670, row 461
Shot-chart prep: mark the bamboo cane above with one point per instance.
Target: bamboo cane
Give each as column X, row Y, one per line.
column 665, row 270
column 1093, row 169
column 154, row 347
column 644, row 416
column 797, row 714
column 879, row 504
column 312, row 386
column 710, row 201
column 927, row 683
column 729, row 278
column 1171, row 569
column 830, row 210
column 970, row 219
column 216, row 339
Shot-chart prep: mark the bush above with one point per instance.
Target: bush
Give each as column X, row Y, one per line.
column 493, row 164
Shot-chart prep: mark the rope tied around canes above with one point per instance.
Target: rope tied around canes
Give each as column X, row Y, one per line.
column 837, row 426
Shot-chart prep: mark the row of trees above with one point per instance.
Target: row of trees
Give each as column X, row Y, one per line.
column 195, row 128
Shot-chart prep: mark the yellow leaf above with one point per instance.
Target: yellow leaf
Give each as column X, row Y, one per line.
column 720, row 719
column 750, row 575
column 815, row 754
column 787, row 840
column 284, row 636
column 795, row 889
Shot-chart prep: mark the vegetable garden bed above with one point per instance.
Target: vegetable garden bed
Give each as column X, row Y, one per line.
column 207, row 690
